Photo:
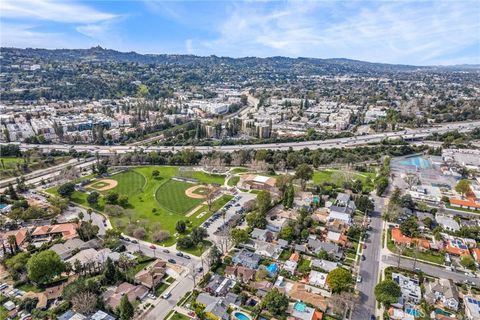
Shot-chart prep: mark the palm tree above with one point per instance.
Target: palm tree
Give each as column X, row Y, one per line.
column 12, row 241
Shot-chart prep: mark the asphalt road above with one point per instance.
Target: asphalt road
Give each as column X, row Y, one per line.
column 370, row 267
column 429, row 269
column 409, row 134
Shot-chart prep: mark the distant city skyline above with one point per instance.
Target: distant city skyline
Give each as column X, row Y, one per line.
column 401, row 32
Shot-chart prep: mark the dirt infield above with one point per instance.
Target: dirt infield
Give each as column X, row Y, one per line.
column 190, row 192
column 110, row 184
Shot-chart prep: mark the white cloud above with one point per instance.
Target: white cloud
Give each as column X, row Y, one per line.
column 395, row 32
column 50, row 10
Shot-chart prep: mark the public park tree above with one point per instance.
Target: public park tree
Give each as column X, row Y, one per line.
column 276, row 303
column 264, row 200
column 123, row 200
column 44, row 266
column 239, row 236
column 387, row 292
column 92, row 198
column 160, row 235
column 139, row 233
column 181, row 226
column 66, row 190
column 185, row 242
column 339, row 280
column 111, row 198
column 198, row 234
column 155, row 173
column 303, row 172
column 125, row 309
column 463, row 187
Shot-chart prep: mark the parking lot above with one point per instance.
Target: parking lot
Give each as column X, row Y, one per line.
column 234, row 207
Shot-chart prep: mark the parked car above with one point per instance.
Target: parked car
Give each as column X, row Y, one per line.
column 179, row 254
column 166, row 295
column 152, row 246
column 134, row 241
column 186, row 256
column 359, row 278
column 166, row 250
column 172, row 260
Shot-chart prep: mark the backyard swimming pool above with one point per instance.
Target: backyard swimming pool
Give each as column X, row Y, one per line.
column 418, row 162
column 240, row 316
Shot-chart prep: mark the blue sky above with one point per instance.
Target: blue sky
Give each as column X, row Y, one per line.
column 406, row 32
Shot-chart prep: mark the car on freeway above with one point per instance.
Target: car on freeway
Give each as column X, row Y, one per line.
column 179, row 254
column 134, row 241
column 152, row 246
column 186, row 256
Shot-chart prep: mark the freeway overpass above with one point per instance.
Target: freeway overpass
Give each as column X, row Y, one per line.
column 408, row 134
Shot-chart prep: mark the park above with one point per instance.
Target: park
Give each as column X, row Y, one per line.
column 157, row 197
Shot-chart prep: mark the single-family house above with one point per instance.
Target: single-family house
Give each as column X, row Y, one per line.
column 240, row 273
column 152, row 275
column 263, row 235
column 290, row 266
column 317, row 278
column 324, row 264
column 444, row 291
column 410, row 288
column 113, row 296
column 247, row 259
column 267, row 249
column 219, row 286
column 447, row 222
column 472, row 307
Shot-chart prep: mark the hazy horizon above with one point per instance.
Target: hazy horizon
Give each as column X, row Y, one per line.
column 423, row 34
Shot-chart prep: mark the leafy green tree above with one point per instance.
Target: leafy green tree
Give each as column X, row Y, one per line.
column 287, row 233
column 305, row 173
column 387, row 292
column 66, row 190
column 264, row 201
column 185, row 242
column 181, row 226
column 239, row 236
column 125, row 309
column 409, row 227
column 276, row 303
column 463, row 187
column 44, row 266
column 17, row 263
column 92, row 198
column 364, row 204
column 87, row 230
column 111, row 198
column 339, row 280
column 123, row 200
column 155, row 173
column 467, row 262
column 256, row 220
column 109, row 272
column 198, row 234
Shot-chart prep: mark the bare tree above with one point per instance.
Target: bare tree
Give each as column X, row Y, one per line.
column 411, row 179
column 84, row 302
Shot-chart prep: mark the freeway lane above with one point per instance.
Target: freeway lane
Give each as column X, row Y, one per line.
column 408, row 134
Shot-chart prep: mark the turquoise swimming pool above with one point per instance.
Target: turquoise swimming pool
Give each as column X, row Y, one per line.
column 418, row 162
column 240, row 316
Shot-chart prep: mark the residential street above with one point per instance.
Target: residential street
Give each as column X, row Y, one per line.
column 429, row 269
column 370, row 267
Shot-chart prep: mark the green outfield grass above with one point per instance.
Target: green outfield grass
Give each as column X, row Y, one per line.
column 171, row 196
column 130, row 182
column 157, row 200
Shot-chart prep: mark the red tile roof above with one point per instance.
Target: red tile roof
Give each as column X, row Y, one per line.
column 465, row 203
column 398, row 237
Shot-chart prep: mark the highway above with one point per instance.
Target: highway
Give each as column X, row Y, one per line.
column 408, row 134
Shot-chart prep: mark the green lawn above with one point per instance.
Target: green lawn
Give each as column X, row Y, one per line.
column 179, row 316
column 130, row 182
column 142, row 188
column 28, row 287
column 14, row 166
column 232, row 182
column 161, row 288
column 421, row 255
column 463, row 209
column 198, row 250
column 239, row 170
column 171, row 196
column 339, row 176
